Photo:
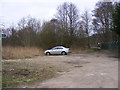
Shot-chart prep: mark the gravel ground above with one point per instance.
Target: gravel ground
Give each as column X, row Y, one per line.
column 80, row 71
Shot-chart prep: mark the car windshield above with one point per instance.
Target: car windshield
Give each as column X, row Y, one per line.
column 53, row 48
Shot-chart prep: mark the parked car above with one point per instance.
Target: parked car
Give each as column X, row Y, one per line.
column 58, row 50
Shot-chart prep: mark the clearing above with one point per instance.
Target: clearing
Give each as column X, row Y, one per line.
column 81, row 71
column 94, row 70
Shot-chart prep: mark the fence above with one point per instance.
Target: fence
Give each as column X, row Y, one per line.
column 112, row 46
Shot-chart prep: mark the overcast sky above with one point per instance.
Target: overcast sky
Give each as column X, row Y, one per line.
column 11, row 11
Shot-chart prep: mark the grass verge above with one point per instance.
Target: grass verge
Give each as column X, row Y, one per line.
column 24, row 73
column 83, row 51
column 91, row 51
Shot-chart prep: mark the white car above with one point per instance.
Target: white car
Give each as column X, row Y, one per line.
column 58, row 50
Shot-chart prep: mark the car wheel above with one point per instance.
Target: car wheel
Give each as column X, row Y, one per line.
column 63, row 53
column 48, row 53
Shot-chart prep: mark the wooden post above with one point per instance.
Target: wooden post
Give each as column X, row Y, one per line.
column 0, row 59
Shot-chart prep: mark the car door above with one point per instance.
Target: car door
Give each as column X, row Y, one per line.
column 59, row 50
column 54, row 51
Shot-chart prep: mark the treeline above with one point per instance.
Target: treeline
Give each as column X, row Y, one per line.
column 68, row 28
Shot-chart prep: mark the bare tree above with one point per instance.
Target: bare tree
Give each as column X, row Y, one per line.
column 27, row 30
column 103, row 19
column 86, row 22
column 73, row 18
column 68, row 17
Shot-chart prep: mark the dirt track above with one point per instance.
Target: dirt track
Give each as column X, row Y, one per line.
column 81, row 71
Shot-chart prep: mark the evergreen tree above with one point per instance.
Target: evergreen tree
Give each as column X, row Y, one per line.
column 116, row 19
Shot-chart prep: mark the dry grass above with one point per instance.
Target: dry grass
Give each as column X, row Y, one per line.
column 20, row 52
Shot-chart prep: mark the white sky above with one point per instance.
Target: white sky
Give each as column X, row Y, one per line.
column 11, row 11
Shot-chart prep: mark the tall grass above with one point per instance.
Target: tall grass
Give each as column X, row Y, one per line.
column 9, row 52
